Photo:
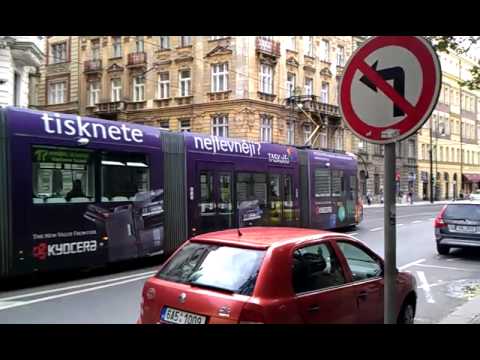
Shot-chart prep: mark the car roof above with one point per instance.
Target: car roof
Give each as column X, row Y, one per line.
column 263, row 237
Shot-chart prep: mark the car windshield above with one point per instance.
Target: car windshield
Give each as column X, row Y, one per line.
column 220, row 267
column 463, row 212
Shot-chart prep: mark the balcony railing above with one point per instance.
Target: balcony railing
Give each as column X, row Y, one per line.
column 110, row 107
column 137, row 59
column 91, row 66
column 312, row 103
column 268, row 47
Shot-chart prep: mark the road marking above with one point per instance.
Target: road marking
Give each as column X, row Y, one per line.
column 149, row 273
column 424, row 285
column 413, row 263
column 445, row 267
column 431, row 219
column 417, row 221
column 438, row 283
column 353, row 234
column 23, row 303
column 376, row 229
column 400, row 224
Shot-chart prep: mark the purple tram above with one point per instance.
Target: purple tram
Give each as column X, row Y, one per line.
column 78, row 192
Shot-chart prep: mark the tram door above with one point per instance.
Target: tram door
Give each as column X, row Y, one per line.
column 213, row 205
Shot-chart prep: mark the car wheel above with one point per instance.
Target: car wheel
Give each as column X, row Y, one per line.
column 407, row 315
column 442, row 249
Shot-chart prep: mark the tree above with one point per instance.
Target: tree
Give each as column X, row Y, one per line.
column 459, row 45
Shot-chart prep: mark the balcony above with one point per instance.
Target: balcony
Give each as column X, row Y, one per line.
column 268, row 47
column 92, row 66
column 137, row 59
column 112, row 107
column 312, row 103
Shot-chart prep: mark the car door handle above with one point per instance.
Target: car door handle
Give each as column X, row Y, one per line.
column 313, row 308
column 363, row 295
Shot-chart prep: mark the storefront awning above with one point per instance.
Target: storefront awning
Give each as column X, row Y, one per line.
column 472, row 177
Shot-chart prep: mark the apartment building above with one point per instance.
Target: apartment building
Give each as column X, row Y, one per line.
column 264, row 88
column 452, row 134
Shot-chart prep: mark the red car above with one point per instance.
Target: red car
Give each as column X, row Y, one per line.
column 273, row 275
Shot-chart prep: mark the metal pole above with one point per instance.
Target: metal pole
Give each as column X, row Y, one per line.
column 390, row 271
column 431, row 163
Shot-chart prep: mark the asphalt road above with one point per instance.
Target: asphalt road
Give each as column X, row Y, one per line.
column 113, row 295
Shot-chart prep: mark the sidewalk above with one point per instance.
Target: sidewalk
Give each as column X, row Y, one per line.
column 416, row 203
column 469, row 313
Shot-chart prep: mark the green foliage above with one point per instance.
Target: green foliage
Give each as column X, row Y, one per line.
column 459, row 45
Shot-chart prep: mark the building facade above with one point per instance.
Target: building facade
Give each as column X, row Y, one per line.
column 20, row 59
column 271, row 89
column 448, row 143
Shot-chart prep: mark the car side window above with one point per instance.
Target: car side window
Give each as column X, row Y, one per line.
column 362, row 265
column 316, row 267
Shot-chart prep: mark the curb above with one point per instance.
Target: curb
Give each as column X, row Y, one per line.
column 414, row 204
column 468, row 313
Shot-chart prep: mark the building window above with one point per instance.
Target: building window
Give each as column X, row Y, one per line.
column 59, row 52
column 266, row 128
column 308, row 86
column 325, row 92
column 139, row 88
column 220, row 125
column 95, row 49
column 323, row 140
column 266, row 79
column 423, row 154
column 290, row 84
column 185, row 125
column 139, row 45
column 308, row 46
column 164, row 42
column 340, row 56
column 163, row 85
column 165, row 124
column 411, row 149
column 185, row 82
column 291, row 43
column 116, row 89
column 219, row 77
column 307, row 131
column 185, row 41
column 290, row 133
column 325, row 50
column 93, row 92
column 117, row 46
column 57, row 92
column 339, row 140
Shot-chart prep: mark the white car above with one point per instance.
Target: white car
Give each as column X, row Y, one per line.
column 475, row 195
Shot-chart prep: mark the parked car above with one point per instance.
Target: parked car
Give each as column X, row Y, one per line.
column 273, row 275
column 457, row 226
column 475, row 195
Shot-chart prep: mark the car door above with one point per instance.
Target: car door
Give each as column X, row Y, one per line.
column 366, row 272
column 322, row 292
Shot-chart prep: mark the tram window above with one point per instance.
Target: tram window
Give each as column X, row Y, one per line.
column 252, row 187
column 62, row 175
column 322, row 183
column 274, row 213
column 353, row 187
column 338, row 183
column 124, row 176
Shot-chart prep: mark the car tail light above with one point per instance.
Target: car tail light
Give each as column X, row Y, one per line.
column 439, row 222
column 251, row 314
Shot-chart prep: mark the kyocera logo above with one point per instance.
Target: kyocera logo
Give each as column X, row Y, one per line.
column 87, row 129
column 43, row 250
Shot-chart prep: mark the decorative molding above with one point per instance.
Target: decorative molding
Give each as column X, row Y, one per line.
column 115, row 67
column 184, row 59
column 309, row 68
column 292, row 62
column 326, row 72
column 219, row 50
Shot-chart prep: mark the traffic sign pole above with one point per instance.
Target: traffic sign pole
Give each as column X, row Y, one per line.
column 390, row 236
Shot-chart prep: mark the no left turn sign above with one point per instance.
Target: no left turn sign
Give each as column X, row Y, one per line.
column 390, row 87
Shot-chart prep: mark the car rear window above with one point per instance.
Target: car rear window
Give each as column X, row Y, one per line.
column 219, row 267
column 463, row 211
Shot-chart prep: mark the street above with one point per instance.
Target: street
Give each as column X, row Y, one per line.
column 113, row 296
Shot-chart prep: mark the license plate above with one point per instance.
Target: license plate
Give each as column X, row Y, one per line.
column 469, row 229
column 175, row 316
